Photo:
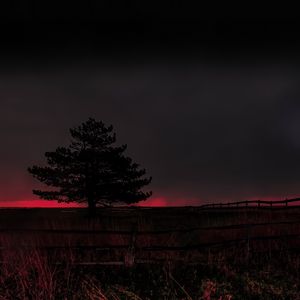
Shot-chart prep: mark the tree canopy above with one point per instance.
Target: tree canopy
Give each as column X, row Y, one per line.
column 91, row 170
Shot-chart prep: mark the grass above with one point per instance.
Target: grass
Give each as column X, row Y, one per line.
column 32, row 275
column 220, row 274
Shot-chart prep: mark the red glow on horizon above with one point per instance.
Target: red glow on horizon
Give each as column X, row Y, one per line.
column 155, row 202
column 36, row 203
column 162, row 201
column 152, row 202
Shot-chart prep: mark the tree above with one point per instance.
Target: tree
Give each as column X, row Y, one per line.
column 91, row 170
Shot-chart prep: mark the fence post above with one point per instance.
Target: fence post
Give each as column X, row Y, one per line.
column 129, row 258
column 248, row 242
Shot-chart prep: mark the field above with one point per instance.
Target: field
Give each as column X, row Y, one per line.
column 150, row 253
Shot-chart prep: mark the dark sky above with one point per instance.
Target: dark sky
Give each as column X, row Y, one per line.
column 210, row 106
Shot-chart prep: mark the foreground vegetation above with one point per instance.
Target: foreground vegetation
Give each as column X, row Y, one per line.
column 31, row 275
column 60, row 254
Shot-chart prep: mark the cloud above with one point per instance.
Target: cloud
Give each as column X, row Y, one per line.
column 203, row 131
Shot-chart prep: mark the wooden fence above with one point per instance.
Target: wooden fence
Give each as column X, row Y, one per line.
column 134, row 251
column 257, row 203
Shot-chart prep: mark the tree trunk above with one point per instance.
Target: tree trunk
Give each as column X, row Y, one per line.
column 91, row 207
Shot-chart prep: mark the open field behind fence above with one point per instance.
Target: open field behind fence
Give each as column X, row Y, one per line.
column 149, row 235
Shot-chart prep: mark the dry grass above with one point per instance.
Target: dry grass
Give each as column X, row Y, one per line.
column 31, row 275
column 226, row 274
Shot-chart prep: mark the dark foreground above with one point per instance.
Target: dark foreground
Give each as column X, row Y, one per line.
column 161, row 253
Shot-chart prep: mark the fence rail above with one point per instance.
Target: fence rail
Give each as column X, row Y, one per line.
column 133, row 245
column 158, row 247
column 146, row 232
column 257, row 203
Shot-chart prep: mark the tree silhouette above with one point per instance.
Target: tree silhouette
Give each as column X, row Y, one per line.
column 91, row 170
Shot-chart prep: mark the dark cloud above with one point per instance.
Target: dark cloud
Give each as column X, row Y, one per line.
column 208, row 104
column 204, row 130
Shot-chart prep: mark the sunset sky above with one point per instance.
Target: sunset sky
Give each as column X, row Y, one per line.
column 210, row 107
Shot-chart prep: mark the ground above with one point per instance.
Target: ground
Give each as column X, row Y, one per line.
column 150, row 253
